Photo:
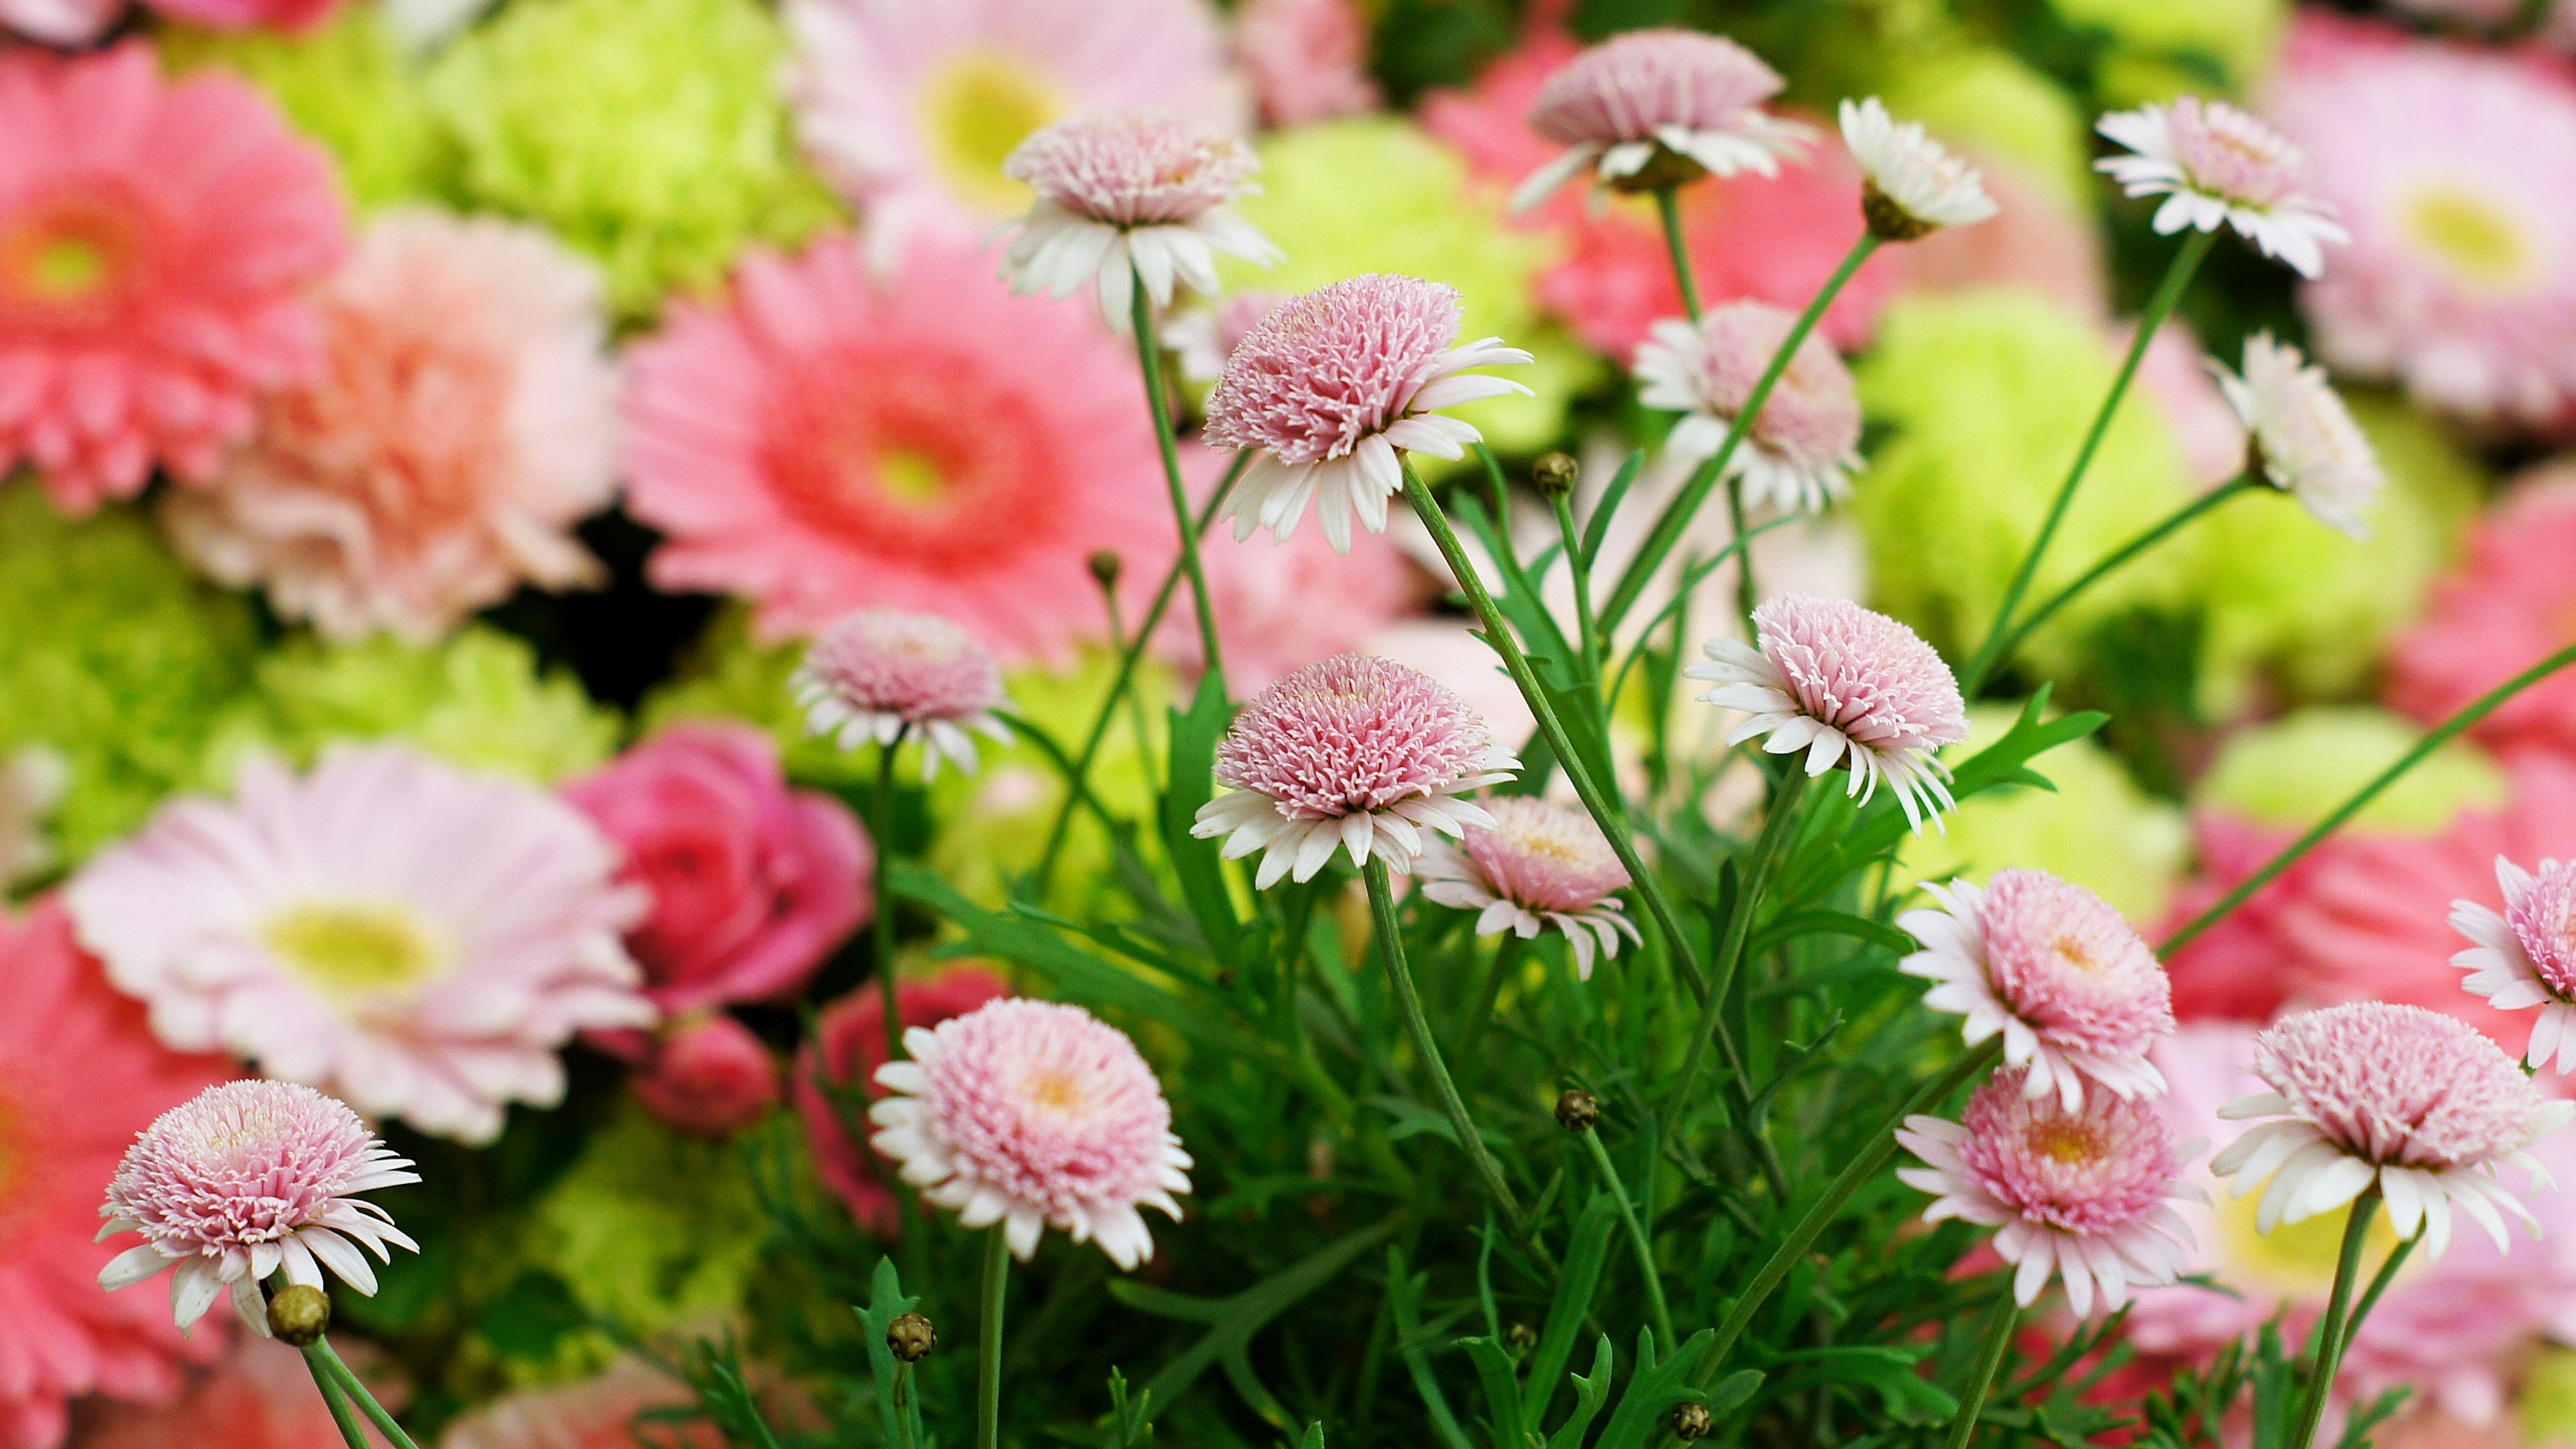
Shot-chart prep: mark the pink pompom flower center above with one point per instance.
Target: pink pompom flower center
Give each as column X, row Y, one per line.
column 2094, row 1170
column 1544, row 856
column 1133, row 168
column 1349, row 734
column 1049, row 1104
column 2544, row 922
column 243, row 1163
column 1627, row 88
column 1862, row 672
column 2070, row 965
column 2400, row 1084
column 1329, row 369
column 916, row 666
column 2229, row 153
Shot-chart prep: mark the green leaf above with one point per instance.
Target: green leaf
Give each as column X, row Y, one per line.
column 1599, row 528
column 1404, row 1300
column 1589, row 1395
column 896, row 1414
column 1797, row 924
column 1585, row 1254
column 531, row 1317
column 1196, row 861
column 1656, row 1390
column 1494, row 1368
column 1233, row 1320
column 1886, row 1370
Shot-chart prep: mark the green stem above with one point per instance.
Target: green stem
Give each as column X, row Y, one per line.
column 337, row 1402
column 881, row 821
column 1677, row 515
column 1150, row 353
column 1507, row 956
column 2186, row 260
column 1668, row 206
column 1990, row 1359
column 2331, row 1334
column 1748, row 593
column 1637, row 1239
column 2378, row 1285
column 1739, row 928
column 2173, row 523
column 359, row 1394
column 1390, row 942
column 1587, row 638
column 1135, row 704
column 988, row 1340
column 2441, row 735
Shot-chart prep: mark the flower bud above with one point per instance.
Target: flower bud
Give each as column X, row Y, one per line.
column 1577, row 1110
column 912, row 1337
column 1105, row 565
column 710, row 1077
column 1520, row 1338
column 299, row 1315
column 1691, row 1422
column 1554, row 473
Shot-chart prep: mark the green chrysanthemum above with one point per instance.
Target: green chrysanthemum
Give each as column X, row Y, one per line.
column 2290, row 772
column 113, row 656
column 648, row 133
column 2161, row 48
column 347, row 85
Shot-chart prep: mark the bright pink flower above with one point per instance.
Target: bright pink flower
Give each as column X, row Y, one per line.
column 2525, row 955
column 598, row 1412
column 1800, row 452
column 154, row 241
column 260, row 1396
column 708, row 1076
column 881, row 673
column 821, row 442
column 1541, row 864
column 2509, row 603
column 1308, row 59
column 753, row 884
column 80, row 1074
column 842, row 1056
column 1651, row 108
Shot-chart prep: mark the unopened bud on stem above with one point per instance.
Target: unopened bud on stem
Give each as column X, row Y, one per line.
column 1105, row 565
column 912, row 1337
column 1554, row 473
column 299, row 1315
column 1577, row 1110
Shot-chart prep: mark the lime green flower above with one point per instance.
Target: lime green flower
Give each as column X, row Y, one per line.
column 2161, row 48
column 648, row 133
column 2547, row 1407
column 111, row 655
column 1988, row 100
column 347, row 85
column 2290, row 772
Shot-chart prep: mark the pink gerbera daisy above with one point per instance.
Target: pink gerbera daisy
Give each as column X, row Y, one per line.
column 1801, row 450
column 2525, row 954
column 1034, row 1114
column 1540, row 864
column 2508, row 604
column 464, row 419
column 1307, row 59
column 822, row 442
column 80, row 1074
column 417, row 939
column 1651, row 108
column 153, row 243
column 881, row 674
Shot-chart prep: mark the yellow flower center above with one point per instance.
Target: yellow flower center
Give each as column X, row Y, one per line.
column 351, row 950
column 2481, row 244
column 2295, row 1260
column 67, row 268
column 1057, row 1091
column 980, row 106
column 2075, row 953
column 2064, row 1141
column 910, row 478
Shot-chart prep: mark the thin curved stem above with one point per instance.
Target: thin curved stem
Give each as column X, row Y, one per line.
column 1149, row 352
column 1990, row 1359
column 359, row 1394
column 2333, row 1330
column 988, row 1339
column 1587, row 638
column 1507, row 956
column 2110, row 562
column 1668, row 207
column 881, row 930
column 1642, row 1245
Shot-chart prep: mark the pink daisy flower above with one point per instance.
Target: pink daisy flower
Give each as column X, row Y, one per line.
column 2419, row 1104
column 2054, row 969
column 1540, row 864
column 2503, row 608
column 2304, row 437
column 2215, row 166
column 1913, row 184
column 463, row 420
column 2082, row 1195
column 1353, row 753
column 153, row 244
column 1848, row 686
column 2525, row 954
column 838, row 1063
column 1651, row 108
column 246, row 1180
column 415, row 938
column 913, row 109
column 1307, row 59
column 1801, row 451
column 2455, row 167
column 80, row 1074
column 1331, row 386
column 881, row 673
column 1034, row 1114
column 821, row 442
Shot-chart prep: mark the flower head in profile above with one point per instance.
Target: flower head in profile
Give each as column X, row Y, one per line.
column 2054, row 969
column 1539, row 864
column 2082, row 1194
column 1352, row 752
column 881, row 673
column 249, row 1179
column 1911, row 184
column 1123, row 195
column 1802, row 447
column 2304, row 437
column 2525, row 954
column 2216, row 165
column 2420, row 1105
column 1848, row 686
column 1034, row 1114
column 1655, row 108
column 1330, row 388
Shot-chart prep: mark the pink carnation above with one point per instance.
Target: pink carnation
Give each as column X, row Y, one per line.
column 753, row 884
column 709, row 1076
column 821, row 442
column 1308, row 59
column 2503, row 608
column 842, row 1057
column 153, row 243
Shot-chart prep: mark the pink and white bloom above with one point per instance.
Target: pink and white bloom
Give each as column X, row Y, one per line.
column 249, row 1179
column 1124, row 195
column 1352, row 752
column 2421, row 1105
column 2304, row 437
column 415, row 938
column 1333, row 386
column 2525, row 954
column 1802, row 448
column 1539, row 864
column 1654, row 108
column 2083, row 1195
column 1034, row 1114
column 881, row 674
column 1912, row 185
column 2218, row 166
column 2056, row 971
column 1849, row 686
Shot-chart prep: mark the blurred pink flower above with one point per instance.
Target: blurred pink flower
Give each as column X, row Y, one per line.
column 708, row 1076
column 1308, row 59
column 847, row 1047
column 593, row 1413
column 260, row 1396
column 2508, row 603
column 153, row 243
column 822, row 442
column 80, row 1075
column 753, row 884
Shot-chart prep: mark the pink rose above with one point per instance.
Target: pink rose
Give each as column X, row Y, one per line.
column 709, row 1076
column 846, row 1049
column 753, row 884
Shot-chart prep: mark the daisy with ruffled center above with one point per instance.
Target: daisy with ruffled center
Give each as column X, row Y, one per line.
column 2420, row 1105
column 2054, row 969
column 1351, row 752
column 2525, row 954
column 2215, row 165
column 1849, row 686
column 2083, row 1195
column 881, row 673
column 1803, row 446
column 1656, row 108
column 2304, row 437
column 1539, row 864
column 1331, row 385
column 1130, row 194
column 250, row 1179
column 1034, row 1114
column 417, row 939
column 1911, row 184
